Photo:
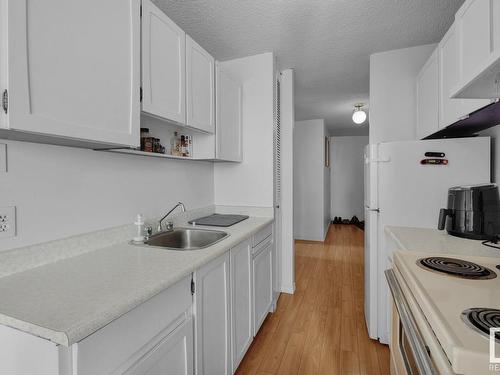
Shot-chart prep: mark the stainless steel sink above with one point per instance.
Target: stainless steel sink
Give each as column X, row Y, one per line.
column 186, row 239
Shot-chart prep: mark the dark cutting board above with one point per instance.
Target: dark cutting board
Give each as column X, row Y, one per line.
column 219, row 220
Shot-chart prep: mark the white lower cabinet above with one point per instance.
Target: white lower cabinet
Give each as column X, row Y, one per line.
column 173, row 355
column 138, row 335
column 212, row 306
column 262, row 283
column 241, row 298
column 203, row 325
column 233, row 295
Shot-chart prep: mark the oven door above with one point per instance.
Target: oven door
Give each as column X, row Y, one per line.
column 407, row 342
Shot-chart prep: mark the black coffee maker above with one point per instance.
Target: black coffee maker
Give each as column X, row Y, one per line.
column 473, row 212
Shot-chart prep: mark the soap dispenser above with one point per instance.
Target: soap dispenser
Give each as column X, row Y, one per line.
column 139, row 223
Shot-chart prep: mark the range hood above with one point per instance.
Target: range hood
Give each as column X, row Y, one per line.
column 477, row 121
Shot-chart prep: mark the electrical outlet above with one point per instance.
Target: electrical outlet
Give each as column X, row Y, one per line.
column 7, row 222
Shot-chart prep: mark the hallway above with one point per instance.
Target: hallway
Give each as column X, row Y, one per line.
column 321, row 328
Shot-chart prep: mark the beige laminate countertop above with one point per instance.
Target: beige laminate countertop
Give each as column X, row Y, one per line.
column 438, row 242
column 69, row 299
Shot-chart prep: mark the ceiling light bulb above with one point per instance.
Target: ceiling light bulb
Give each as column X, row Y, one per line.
column 358, row 116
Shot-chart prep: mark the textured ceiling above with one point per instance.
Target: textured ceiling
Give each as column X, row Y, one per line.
column 327, row 42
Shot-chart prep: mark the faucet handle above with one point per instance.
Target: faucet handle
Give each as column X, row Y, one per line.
column 149, row 231
column 170, row 226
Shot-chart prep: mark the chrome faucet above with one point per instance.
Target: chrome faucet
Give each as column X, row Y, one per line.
column 170, row 225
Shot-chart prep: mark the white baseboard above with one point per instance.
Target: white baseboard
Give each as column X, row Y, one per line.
column 289, row 289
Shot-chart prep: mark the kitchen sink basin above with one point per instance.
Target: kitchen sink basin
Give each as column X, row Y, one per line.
column 186, row 239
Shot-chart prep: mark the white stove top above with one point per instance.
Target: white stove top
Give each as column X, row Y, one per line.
column 442, row 299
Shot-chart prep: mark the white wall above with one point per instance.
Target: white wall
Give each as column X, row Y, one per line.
column 310, row 211
column 62, row 191
column 494, row 133
column 251, row 183
column 347, row 176
column 392, row 93
column 287, row 255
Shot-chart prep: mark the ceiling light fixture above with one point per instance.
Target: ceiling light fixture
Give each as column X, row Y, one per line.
column 358, row 115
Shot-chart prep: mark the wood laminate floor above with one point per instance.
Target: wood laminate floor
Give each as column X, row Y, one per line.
column 321, row 328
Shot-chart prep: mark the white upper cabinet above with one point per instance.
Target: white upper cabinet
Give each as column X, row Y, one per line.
column 451, row 110
column 428, row 97
column 200, row 87
column 478, row 33
column 73, row 69
column 163, row 65
column 228, row 117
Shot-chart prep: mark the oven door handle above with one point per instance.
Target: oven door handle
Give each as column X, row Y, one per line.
column 415, row 339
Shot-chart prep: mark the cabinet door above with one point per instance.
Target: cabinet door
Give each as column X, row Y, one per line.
column 70, row 74
column 228, row 118
column 428, row 97
column 212, row 303
column 173, row 355
column 241, row 301
column 200, row 87
column 451, row 110
column 262, row 285
column 163, row 65
column 474, row 20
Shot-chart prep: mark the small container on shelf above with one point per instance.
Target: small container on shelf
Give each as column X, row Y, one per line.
column 144, row 136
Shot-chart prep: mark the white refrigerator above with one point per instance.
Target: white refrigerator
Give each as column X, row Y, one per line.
column 401, row 191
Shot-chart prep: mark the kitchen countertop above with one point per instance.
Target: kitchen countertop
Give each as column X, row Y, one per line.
column 66, row 300
column 437, row 241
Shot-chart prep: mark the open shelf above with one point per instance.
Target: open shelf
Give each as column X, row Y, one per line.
column 131, row 151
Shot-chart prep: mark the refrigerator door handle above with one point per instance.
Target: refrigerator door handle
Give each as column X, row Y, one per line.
column 374, row 209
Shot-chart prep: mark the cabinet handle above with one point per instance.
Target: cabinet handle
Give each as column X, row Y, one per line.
column 5, row 100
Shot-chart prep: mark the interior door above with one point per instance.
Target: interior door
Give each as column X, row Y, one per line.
column 163, row 65
column 277, row 189
column 70, row 74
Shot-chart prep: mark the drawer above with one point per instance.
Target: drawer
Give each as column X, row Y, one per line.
column 262, row 235
column 120, row 341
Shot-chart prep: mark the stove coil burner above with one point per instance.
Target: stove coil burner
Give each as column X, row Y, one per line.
column 482, row 319
column 456, row 267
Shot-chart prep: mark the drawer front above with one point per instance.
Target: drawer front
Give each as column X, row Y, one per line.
column 263, row 234
column 121, row 340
